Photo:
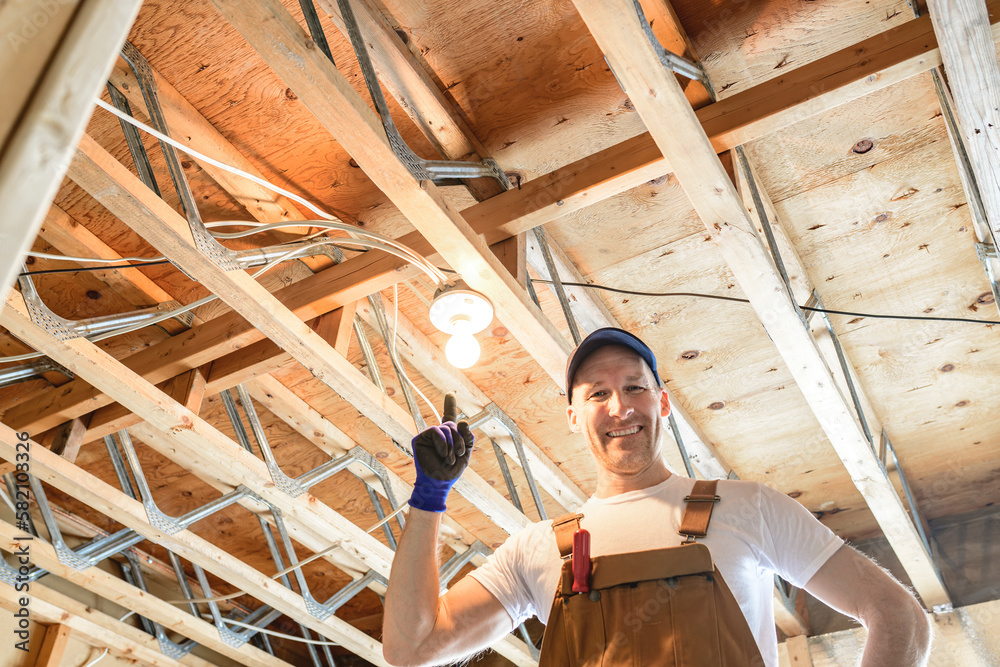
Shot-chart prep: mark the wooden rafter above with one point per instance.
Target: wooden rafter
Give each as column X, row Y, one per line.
column 682, row 140
column 39, row 147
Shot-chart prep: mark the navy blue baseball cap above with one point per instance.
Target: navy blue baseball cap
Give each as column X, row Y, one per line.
column 600, row 338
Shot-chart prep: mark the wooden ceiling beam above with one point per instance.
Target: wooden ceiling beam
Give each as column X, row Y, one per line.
column 114, row 589
column 682, row 140
column 130, row 513
column 282, row 43
column 963, row 30
column 40, row 142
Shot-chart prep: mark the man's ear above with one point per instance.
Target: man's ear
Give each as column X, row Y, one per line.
column 571, row 419
column 664, row 403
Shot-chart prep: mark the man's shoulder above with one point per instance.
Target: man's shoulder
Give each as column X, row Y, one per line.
column 534, row 532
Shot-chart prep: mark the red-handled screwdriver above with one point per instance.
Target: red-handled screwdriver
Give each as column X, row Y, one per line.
column 581, row 561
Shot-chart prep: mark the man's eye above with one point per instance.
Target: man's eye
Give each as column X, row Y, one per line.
column 636, row 388
column 598, row 394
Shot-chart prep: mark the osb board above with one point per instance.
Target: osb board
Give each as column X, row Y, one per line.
column 911, row 256
column 537, row 92
column 895, row 120
column 744, row 42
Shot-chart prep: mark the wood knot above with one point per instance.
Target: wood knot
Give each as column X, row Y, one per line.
column 863, row 146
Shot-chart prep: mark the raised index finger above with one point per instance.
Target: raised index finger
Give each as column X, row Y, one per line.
column 450, row 408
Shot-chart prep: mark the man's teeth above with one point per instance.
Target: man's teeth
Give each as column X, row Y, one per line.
column 624, row 431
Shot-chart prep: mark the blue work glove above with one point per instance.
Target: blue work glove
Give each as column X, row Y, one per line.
column 440, row 454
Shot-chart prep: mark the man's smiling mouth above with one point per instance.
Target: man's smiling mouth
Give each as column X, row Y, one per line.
column 631, row 430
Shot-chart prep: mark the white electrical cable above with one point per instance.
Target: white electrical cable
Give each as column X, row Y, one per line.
column 433, row 272
column 94, row 260
column 97, row 659
column 439, row 276
column 168, row 314
column 105, row 651
column 399, row 363
column 221, row 165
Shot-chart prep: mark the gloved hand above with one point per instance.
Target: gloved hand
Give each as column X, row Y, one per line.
column 440, row 454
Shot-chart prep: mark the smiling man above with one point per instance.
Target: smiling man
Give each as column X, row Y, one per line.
column 654, row 569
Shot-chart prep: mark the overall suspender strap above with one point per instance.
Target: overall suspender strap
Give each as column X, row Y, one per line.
column 565, row 527
column 698, row 512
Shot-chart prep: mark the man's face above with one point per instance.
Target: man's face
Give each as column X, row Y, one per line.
column 617, row 406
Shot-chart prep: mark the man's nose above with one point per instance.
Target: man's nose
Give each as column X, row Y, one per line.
column 618, row 405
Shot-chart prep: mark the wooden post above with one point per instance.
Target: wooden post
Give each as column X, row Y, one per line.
column 798, row 651
column 68, row 437
column 336, row 327
column 53, row 646
column 512, row 253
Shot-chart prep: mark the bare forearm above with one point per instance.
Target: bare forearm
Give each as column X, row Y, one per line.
column 411, row 603
column 898, row 642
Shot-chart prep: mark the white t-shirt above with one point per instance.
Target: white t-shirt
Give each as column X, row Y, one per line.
column 755, row 532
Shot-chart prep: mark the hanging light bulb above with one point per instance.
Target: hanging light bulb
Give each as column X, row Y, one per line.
column 462, row 349
column 461, row 312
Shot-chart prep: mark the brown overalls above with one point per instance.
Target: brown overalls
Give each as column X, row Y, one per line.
column 662, row 607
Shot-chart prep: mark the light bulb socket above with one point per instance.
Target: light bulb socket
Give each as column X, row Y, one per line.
column 459, row 308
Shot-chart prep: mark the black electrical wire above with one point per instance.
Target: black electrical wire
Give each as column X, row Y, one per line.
column 104, row 267
column 733, row 298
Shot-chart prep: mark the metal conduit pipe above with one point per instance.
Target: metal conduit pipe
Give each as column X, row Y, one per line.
column 15, row 374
